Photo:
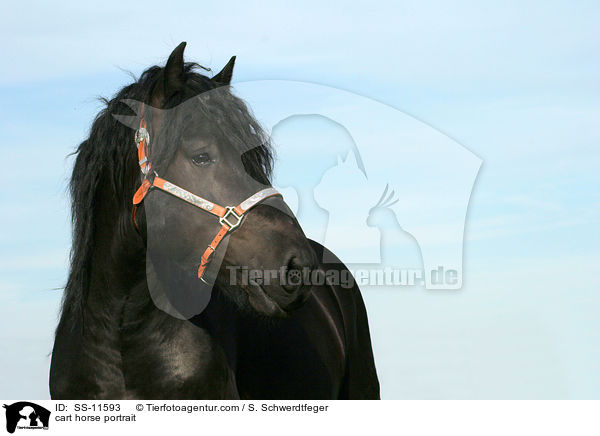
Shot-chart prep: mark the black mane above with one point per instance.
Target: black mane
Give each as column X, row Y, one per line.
column 106, row 162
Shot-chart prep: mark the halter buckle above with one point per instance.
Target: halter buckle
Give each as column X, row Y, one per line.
column 224, row 220
column 141, row 135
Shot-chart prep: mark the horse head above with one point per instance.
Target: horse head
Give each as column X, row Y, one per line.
column 202, row 140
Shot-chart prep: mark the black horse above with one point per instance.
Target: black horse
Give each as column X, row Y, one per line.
column 280, row 340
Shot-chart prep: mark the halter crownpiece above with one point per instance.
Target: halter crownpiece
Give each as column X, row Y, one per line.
column 230, row 217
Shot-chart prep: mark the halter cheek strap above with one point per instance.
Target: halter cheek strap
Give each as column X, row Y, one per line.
column 230, row 217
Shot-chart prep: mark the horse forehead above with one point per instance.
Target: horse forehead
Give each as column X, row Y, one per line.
column 191, row 121
column 198, row 129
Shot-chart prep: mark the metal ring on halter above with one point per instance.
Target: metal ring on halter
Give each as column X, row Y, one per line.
column 231, row 213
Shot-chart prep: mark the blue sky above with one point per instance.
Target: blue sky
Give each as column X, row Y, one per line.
column 514, row 82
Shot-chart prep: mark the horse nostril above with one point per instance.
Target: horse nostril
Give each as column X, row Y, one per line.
column 296, row 267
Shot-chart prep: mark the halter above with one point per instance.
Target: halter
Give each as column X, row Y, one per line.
column 230, row 217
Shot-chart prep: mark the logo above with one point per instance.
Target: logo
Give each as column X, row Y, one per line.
column 383, row 191
column 26, row 415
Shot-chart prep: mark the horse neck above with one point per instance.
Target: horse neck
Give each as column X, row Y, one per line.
column 118, row 280
column 117, row 261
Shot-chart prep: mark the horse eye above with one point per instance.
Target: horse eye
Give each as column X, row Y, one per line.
column 201, row 159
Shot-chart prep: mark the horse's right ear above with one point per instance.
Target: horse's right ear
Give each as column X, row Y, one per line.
column 171, row 79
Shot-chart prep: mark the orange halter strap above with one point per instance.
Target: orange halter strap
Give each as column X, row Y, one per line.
column 230, row 217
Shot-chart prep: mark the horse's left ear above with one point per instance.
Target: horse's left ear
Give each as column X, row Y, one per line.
column 224, row 76
column 172, row 78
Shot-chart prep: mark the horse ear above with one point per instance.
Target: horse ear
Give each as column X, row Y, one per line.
column 224, row 76
column 172, row 77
